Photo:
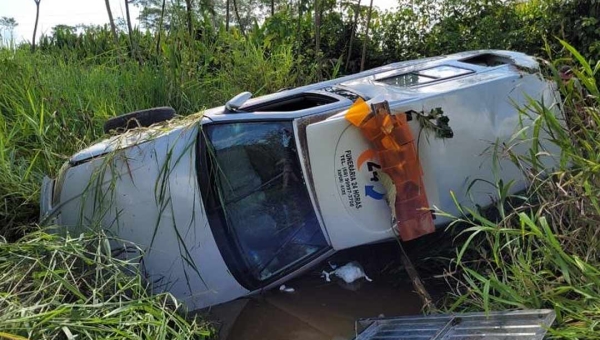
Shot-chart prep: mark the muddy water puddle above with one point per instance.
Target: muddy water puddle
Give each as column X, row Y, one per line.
column 320, row 310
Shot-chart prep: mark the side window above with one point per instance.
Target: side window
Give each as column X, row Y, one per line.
column 425, row 76
column 443, row 72
column 407, row 80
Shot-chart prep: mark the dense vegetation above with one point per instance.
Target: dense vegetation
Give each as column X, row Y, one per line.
column 541, row 250
column 193, row 55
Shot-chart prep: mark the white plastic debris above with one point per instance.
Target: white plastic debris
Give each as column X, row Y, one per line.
column 283, row 288
column 349, row 272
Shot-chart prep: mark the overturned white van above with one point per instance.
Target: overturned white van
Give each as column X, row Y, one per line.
column 243, row 197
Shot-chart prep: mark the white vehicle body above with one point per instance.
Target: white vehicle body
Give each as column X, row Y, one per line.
column 157, row 187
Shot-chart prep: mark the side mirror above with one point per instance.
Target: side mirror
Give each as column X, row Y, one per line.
column 234, row 104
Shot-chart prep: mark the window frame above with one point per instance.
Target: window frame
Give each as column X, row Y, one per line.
column 232, row 253
column 417, row 73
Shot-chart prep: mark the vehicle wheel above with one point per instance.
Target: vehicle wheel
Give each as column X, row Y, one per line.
column 142, row 118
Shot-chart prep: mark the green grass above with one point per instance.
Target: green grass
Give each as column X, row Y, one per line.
column 544, row 252
column 52, row 104
column 55, row 287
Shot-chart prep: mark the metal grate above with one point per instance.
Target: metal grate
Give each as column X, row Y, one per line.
column 528, row 324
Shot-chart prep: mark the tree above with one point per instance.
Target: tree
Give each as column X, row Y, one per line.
column 188, row 9
column 121, row 24
column 227, row 15
column 132, row 42
column 160, row 26
column 299, row 25
column 37, row 18
column 151, row 13
column 352, row 33
column 237, row 15
column 155, row 14
column 112, row 23
column 364, row 51
column 7, row 24
column 318, row 37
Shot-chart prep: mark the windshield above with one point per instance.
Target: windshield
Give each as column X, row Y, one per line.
column 261, row 193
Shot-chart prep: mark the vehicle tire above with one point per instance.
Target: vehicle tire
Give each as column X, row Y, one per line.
column 141, row 118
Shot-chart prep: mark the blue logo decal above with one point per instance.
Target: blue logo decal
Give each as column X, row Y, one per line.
column 370, row 191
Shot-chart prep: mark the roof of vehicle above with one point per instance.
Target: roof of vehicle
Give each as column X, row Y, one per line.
column 368, row 83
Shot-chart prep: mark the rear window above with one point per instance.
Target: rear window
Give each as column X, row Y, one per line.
column 421, row 77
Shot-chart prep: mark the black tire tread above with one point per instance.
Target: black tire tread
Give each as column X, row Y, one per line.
column 141, row 118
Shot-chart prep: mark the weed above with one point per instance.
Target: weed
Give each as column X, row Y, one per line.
column 56, row 287
column 544, row 253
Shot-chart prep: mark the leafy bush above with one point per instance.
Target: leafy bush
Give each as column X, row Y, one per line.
column 51, row 107
column 545, row 252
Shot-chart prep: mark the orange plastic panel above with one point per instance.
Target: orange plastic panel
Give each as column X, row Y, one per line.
column 393, row 141
column 357, row 112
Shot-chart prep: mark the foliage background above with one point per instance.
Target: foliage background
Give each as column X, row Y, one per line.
column 193, row 55
column 54, row 101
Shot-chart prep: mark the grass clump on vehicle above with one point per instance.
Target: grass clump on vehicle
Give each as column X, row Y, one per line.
column 56, row 287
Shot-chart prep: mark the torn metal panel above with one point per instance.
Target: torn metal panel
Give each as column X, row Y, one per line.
column 527, row 324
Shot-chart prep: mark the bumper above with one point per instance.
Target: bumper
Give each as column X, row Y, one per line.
column 46, row 198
